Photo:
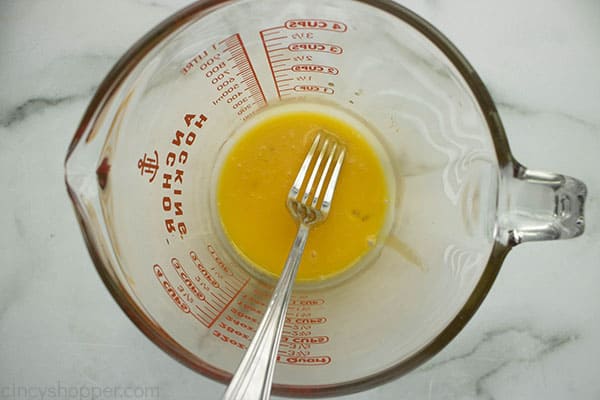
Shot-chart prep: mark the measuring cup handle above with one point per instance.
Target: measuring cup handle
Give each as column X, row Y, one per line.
column 536, row 205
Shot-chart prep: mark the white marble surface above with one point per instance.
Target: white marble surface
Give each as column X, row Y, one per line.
column 537, row 333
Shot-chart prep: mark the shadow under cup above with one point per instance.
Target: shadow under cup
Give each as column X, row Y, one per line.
column 140, row 168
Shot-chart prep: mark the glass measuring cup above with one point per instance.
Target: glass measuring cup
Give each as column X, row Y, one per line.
column 141, row 167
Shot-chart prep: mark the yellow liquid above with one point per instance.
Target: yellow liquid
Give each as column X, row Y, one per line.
column 257, row 174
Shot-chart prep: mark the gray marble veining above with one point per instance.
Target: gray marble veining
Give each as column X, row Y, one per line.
column 33, row 106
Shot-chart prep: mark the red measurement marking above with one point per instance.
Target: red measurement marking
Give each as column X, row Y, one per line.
column 230, row 329
column 183, row 306
column 230, row 285
column 239, row 323
column 311, row 339
column 305, row 347
column 207, row 275
column 219, row 261
column 319, row 24
column 229, row 303
column 277, row 55
column 247, row 79
column 220, row 303
column 237, row 53
column 186, row 280
column 307, row 360
column 293, row 55
column 203, row 319
column 215, row 309
column 323, row 69
column 269, row 59
column 318, row 47
column 214, row 299
column 274, row 31
column 227, row 290
column 224, row 65
column 281, row 60
column 252, row 299
column 227, row 294
column 307, row 302
column 221, row 297
column 306, row 321
column 252, row 69
column 166, row 284
column 203, row 312
column 314, row 89
column 263, row 292
column 243, row 315
column 246, row 75
column 225, row 338
column 276, row 38
column 250, row 307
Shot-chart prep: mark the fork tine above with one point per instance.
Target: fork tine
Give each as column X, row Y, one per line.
column 309, row 186
column 324, row 175
column 304, row 168
column 304, row 198
column 326, row 205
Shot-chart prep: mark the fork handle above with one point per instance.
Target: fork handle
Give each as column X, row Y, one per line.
column 254, row 375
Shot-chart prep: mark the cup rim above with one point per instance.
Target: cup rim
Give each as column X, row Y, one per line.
column 158, row 335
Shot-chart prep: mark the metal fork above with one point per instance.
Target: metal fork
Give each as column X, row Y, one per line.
column 309, row 205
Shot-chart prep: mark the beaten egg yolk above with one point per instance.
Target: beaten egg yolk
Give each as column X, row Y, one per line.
column 254, row 182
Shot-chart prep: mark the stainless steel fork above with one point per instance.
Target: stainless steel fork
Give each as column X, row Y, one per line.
column 309, row 201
